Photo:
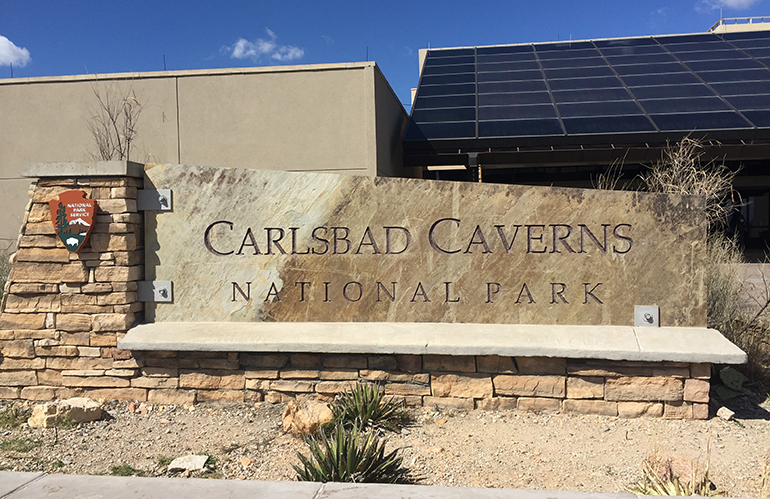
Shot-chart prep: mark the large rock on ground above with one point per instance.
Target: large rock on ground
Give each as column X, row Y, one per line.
column 305, row 416
column 76, row 410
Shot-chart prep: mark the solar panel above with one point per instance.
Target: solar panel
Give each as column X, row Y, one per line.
column 648, row 85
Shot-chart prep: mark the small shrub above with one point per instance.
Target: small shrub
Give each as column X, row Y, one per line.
column 13, row 417
column 20, row 445
column 5, row 269
column 349, row 455
column 365, row 406
column 125, row 470
column 164, row 461
column 659, row 479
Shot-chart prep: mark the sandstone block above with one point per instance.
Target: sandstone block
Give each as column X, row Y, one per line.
column 43, row 255
column 457, row 404
column 607, row 369
column 339, row 375
column 406, row 389
column 40, row 242
column 32, row 304
column 127, row 364
column 261, row 374
column 495, row 364
column 155, row 383
column 83, row 372
column 292, row 386
column 113, row 242
column 31, row 334
column 334, row 387
column 95, row 381
column 257, row 384
column 409, row 363
column 696, row 390
column 585, row 388
column 73, row 322
column 253, row 397
column 18, row 378
column 347, row 361
column 49, row 377
column 38, row 392
column 75, row 339
column 96, row 288
column 496, row 404
column 22, row 321
column 306, row 416
column 700, row 411
column 6, row 392
column 175, row 397
column 305, row 361
column 461, row 386
column 700, row 371
column 77, row 410
column 112, row 206
column 8, row 364
column 112, row 322
column 530, row 386
column 677, row 410
column 671, row 372
column 69, row 363
column 228, row 364
column 39, row 212
column 135, row 394
column 640, row 389
column 23, row 349
column 33, row 288
column 57, row 351
column 581, row 406
column 103, row 340
column 49, row 272
column 640, row 409
column 106, row 274
column 188, row 379
column 123, row 192
column 120, row 373
column 383, row 362
column 220, row 396
column 538, row 404
column 299, row 374
column 541, row 365
column 39, row 229
column 116, row 298
column 89, row 351
column 160, row 372
column 275, row 361
column 457, row 363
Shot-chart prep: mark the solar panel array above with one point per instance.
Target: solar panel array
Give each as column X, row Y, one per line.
column 653, row 85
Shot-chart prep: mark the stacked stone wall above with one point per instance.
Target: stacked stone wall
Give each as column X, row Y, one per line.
column 63, row 314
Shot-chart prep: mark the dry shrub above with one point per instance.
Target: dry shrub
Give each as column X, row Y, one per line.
column 673, row 476
column 5, row 269
column 113, row 121
column 680, row 171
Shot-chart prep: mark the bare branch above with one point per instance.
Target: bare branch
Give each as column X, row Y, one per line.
column 113, row 121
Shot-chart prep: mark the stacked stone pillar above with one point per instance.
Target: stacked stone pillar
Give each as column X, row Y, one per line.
column 62, row 312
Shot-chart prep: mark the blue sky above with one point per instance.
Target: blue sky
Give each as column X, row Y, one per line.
column 49, row 38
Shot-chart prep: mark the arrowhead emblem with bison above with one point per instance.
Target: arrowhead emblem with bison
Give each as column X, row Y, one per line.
column 73, row 218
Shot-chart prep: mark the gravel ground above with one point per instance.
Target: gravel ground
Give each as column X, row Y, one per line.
column 478, row 449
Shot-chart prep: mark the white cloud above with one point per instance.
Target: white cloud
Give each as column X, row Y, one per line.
column 259, row 48
column 11, row 54
column 709, row 5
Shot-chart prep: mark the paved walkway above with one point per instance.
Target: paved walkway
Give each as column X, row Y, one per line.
column 38, row 485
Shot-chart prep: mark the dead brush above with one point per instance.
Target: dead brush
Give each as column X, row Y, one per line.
column 660, row 479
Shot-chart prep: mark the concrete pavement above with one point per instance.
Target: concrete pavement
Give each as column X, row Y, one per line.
column 38, row 485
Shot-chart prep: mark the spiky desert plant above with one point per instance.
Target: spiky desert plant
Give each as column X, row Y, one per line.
column 365, row 406
column 349, row 455
column 664, row 482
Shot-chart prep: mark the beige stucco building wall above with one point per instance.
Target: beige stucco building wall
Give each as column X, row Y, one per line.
column 341, row 118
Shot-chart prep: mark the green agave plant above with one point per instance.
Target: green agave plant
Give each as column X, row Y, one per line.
column 349, row 455
column 366, row 407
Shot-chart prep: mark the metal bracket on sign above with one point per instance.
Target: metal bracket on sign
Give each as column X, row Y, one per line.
column 155, row 291
column 153, row 200
column 646, row 316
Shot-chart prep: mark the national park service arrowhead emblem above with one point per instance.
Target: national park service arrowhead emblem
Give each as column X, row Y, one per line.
column 73, row 218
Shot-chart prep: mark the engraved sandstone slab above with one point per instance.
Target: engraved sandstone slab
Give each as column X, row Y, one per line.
column 245, row 245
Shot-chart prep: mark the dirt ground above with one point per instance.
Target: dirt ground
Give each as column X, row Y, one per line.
column 478, row 449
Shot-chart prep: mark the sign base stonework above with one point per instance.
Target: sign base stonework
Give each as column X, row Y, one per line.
column 66, row 315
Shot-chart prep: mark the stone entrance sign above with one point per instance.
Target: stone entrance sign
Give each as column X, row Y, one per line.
column 243, row 245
